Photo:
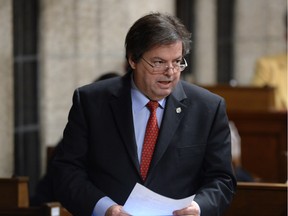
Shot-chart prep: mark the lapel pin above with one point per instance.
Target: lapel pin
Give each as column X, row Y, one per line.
column 178, row 110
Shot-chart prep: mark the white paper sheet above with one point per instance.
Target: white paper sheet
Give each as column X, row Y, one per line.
column 142, row 202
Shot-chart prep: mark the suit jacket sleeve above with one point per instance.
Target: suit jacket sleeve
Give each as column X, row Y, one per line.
column 219, row 182
column 71, row 182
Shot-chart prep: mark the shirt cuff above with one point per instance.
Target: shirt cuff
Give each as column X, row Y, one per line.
column 102, row 206
column 196, row 204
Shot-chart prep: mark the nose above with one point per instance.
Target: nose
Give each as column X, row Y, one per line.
column 169, row 70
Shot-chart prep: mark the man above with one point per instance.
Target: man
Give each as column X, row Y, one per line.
column 100, row 159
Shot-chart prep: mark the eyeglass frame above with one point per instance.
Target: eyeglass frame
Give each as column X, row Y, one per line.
column 167, row 67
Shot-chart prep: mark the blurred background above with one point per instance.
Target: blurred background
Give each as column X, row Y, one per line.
column 50, row 47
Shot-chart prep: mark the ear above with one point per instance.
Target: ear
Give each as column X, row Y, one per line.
column 132, row 63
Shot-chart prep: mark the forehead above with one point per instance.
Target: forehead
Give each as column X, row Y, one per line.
column 167, row 51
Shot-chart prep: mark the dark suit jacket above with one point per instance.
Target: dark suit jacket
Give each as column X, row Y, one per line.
column 98, row 155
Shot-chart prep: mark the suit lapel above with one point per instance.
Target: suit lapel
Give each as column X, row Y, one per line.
column 122, row 110
column 174, row 111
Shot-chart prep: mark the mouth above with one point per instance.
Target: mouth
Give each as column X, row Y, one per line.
column 165, row 82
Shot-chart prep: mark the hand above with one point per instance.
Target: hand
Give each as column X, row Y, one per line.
column 116, row 210
column 193, row 210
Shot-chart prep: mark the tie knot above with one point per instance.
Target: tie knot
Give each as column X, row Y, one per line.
column 152, row 105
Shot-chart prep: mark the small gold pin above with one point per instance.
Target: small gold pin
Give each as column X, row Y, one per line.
column 178, row 110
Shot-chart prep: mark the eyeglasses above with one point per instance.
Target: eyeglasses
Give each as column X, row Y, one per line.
column 160, row 66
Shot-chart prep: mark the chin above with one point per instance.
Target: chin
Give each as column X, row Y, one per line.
column 164, row 93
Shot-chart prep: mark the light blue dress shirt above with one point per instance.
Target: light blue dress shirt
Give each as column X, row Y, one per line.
column 141, row 115
column 140, row 118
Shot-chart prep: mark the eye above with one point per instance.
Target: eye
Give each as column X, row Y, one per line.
column 158, row 63
column 178, row 62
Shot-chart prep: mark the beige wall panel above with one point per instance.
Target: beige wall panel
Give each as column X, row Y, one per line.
column 259, row 31
column 6, row 90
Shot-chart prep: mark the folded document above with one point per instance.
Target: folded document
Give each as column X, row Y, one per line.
column 144, row 202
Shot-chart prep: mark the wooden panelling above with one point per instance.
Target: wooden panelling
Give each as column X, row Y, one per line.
column 245, row 97
column 253, row 199
column 263, row 129
column 14, row 192
column 263, row 143
column 49, row 209
column 14, row 200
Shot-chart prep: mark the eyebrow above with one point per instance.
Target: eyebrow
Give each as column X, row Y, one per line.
column 159, row 58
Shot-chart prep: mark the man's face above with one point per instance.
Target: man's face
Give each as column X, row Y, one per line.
column 158, row 85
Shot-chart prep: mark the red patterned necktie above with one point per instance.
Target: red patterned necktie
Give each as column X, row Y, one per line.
column 150, row 139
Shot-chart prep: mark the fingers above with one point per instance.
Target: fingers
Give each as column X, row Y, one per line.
column 192, row 210
column 116, row 210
